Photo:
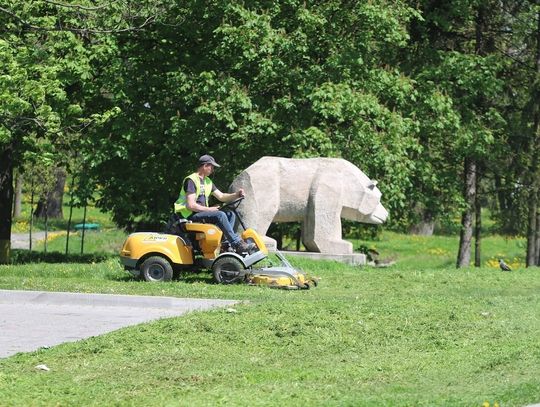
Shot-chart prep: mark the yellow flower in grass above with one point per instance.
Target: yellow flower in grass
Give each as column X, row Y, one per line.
column 53, row 235
column 515, row 263
column 20, row 226
column 437, row 251
column 493, row 263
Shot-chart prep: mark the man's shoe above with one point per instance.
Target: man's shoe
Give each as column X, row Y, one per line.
column 244, row 247
column 226, row 247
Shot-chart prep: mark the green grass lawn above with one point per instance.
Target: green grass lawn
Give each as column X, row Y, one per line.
column 417, row 333
column 437, row 252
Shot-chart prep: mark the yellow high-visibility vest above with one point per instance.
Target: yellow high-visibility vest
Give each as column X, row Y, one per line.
column 180, row 204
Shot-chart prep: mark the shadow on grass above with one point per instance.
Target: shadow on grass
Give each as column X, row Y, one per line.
column 21, row 256
column 196, row 277
column 126, row 278
column 186, row 278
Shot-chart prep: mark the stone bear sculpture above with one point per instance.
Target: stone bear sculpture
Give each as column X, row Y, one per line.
column 317, row 192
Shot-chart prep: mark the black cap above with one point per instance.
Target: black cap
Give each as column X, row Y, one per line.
column 208, row 159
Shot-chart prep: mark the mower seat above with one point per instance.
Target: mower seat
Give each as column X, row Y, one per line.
column 177, row 226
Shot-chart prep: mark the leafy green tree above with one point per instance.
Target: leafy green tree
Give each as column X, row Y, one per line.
column 453, row 50
column 514, row 163
column 245, row 79
column 45, row 63
column 31, row 96
column 532, row 124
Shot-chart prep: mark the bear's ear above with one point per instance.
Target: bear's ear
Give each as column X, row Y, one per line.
column 372, row 185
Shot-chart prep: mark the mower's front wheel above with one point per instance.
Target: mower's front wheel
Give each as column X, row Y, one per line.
column 228, row 270
column 157, row 269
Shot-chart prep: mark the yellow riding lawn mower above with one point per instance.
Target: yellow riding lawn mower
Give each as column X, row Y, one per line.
column 189, row 246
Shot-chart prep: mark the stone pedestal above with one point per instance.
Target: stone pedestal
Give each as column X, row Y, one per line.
column 354, row 259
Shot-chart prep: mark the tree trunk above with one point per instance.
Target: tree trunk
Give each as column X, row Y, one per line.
column 465, row 238
column 502, row 196
column 426, row 224
column 537, row 245
column 31, row 222
column 17, row 201
column 478, row 225
column 472, row 194
column 423, row 228
column 51, row 205
column 534, row 173
column 6, row 201
column 46, row 232
column 70, row 212
column 532, row 228
column 83, row 228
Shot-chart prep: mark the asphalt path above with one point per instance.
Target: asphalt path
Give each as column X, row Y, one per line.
column 21, row 240
column 30, row 320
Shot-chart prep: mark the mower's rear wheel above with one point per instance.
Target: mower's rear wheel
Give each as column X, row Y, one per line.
column 157, row 269
column 228, row 270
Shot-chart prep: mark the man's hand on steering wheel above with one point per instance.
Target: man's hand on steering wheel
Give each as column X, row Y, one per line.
column 232, row 204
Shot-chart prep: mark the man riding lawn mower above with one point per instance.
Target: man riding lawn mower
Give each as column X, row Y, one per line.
column 195, row 246
column 194, row 241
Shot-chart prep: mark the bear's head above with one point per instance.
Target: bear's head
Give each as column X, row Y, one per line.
column 361, row 198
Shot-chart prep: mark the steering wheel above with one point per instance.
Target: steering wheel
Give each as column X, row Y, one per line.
column 231, row 205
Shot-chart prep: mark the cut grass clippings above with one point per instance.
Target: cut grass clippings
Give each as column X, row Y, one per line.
column 399, row 336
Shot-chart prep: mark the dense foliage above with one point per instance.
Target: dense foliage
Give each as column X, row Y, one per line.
column 426, row 97
column 245, row 81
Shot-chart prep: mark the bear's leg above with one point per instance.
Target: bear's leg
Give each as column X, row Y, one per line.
column 323, row 234
column 321, row 229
